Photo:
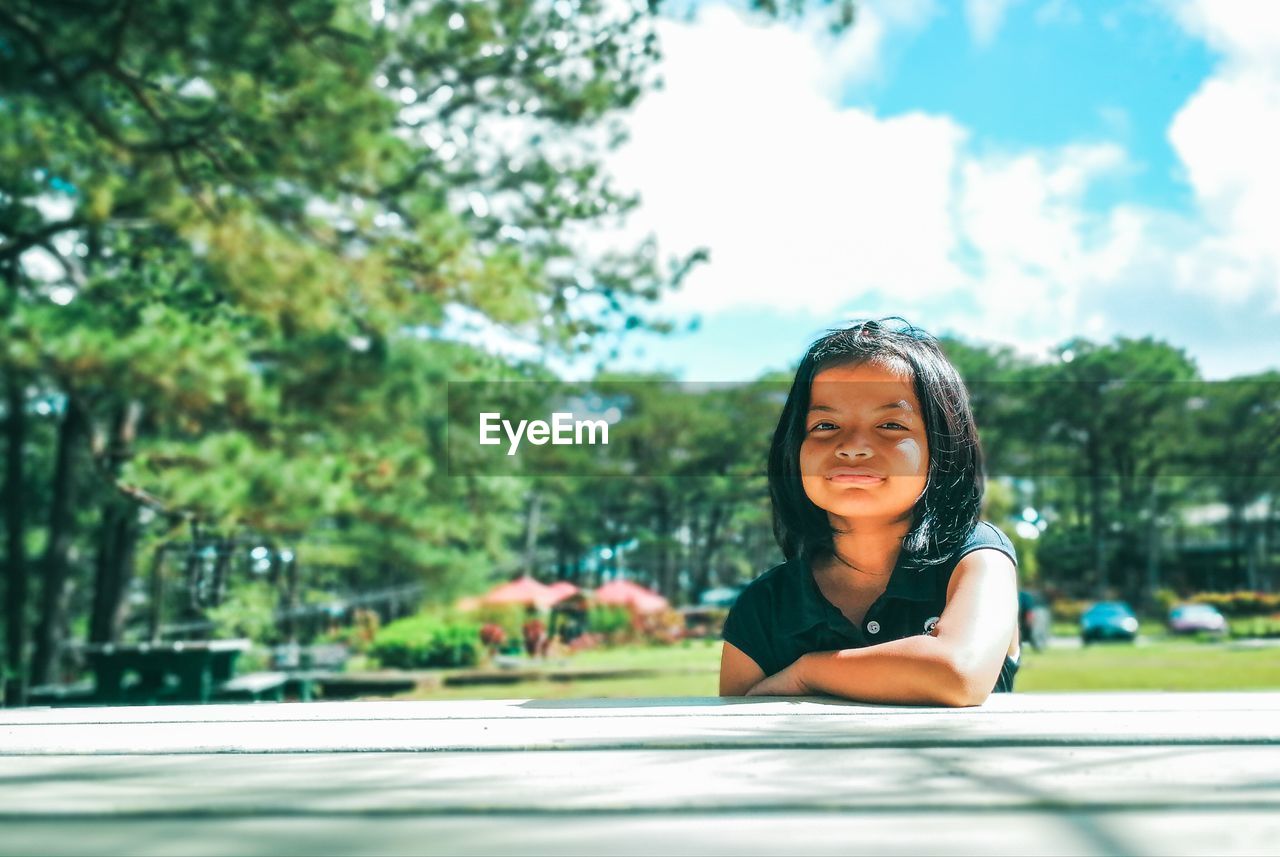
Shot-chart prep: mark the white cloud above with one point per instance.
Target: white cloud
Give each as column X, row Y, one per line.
column 1245, row 32
column 794, row 196
column 809, row 206
column 813, row 208
column 1036, row 246
column 985, row 17
column 856, row 55
column 1026, row 210
column 1226, row 136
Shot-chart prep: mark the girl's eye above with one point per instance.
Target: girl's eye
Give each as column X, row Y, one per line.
column 825, row 426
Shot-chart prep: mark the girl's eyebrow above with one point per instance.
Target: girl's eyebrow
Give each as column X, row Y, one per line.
column 902, row 405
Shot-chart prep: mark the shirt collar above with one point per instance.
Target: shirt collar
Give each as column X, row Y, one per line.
column 808, row 607
column 912, row 584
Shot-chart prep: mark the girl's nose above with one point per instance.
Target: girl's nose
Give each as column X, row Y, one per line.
column 854, row 445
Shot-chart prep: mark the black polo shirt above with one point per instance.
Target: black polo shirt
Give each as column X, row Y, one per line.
column 782, row 614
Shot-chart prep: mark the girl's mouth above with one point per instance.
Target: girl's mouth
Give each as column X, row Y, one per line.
column 855, row 476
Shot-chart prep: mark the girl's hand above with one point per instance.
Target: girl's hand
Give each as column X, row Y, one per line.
column 787, row 682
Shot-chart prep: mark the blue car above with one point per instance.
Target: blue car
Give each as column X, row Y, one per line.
column 1108, row 620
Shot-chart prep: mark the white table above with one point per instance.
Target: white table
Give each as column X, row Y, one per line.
column 1103, row 773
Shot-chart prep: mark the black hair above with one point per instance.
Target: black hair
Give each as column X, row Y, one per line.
column 948, row 508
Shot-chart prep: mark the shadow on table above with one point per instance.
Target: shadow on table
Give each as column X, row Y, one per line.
column 692, row 702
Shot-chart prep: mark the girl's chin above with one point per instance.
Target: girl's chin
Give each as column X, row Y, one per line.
column 845, row 507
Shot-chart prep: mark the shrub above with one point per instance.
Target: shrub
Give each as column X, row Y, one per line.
column 1165, row 600
column 249, row 611
column 509, row 617
column 1240, row 603
column 583, row 642
column 1068, row 609
column 612, row 623
column 663, row 627
column 428, row 641
column 1256, row 626
column 360, row 634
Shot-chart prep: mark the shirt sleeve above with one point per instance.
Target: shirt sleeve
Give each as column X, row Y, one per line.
column 987, row 535
column 745, row 626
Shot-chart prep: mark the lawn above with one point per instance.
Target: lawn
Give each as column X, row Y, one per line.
column 689, row 654
column 1160, row 665
column 691, row 670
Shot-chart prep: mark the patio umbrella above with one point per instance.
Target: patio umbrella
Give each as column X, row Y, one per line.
column 563, row 589
column 627, row 594
column 522, row 590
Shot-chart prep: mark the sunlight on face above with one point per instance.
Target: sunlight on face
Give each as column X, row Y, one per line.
column 865, row 454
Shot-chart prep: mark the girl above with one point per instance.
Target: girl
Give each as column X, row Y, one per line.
column 892, row 591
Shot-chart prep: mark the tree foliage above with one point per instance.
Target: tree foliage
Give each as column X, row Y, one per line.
column 237, row 238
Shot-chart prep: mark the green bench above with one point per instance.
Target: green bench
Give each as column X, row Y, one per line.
column 174, row 671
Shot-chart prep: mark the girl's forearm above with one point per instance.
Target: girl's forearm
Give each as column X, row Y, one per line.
column 920, row 670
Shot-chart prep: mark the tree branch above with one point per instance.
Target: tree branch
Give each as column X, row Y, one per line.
column 14, row 248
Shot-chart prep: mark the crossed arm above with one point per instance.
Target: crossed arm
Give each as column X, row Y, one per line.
column 956, row 667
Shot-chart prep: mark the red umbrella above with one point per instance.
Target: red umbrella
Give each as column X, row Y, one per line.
column 563, row 589
column 627, row 594
column 522, row 590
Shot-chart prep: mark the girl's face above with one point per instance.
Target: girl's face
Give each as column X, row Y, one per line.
column 865, row 454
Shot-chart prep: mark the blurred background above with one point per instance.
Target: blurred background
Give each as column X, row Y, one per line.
column 246, row 251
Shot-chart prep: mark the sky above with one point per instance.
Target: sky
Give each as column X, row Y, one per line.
column 1008, row 172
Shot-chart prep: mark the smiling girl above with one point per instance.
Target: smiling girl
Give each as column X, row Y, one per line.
column 892, row 590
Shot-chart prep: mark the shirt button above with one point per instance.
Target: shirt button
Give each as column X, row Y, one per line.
column 873, row 627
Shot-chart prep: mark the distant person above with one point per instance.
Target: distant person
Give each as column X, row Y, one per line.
column 534, row 632
column 892, row 590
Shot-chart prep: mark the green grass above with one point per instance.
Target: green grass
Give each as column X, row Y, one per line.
column 689, row 654
column 1155, row 666
column 692, row 671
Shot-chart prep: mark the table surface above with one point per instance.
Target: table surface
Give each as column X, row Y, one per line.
column 167, row 646
column 1103, row 773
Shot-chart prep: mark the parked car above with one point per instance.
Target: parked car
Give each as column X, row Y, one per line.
column 1195, row 618
column 1108, row 620
column 1034, row 620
